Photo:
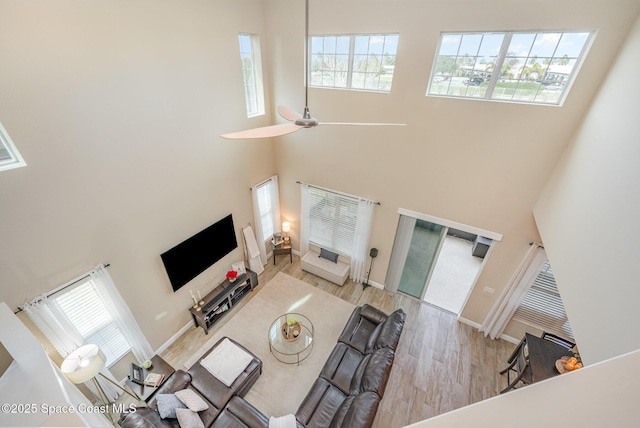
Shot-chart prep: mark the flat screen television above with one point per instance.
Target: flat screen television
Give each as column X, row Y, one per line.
column 190, row 258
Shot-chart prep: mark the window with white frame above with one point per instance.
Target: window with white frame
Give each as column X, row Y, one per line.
column 252, row 73
column 332, row 220
column 9, row 156
column 84, row 308
column 364, row 61
column 529, row 67
column 541, row 306
column 265, row 206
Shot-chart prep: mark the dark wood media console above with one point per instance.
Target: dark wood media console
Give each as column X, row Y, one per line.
column 222, row 298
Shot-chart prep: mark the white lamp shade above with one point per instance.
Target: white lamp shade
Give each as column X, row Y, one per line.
column 286, row 226
column 84, row 363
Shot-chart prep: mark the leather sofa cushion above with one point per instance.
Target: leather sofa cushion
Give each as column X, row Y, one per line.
column 341, row 366
column 357, row 411
column 208, row 386
column 320, row 405
column 361, row 326
column 389, row 332
column 145, row 417
column 373, row 372
column 240, row 414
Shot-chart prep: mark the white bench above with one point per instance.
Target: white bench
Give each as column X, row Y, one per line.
column 334, row 272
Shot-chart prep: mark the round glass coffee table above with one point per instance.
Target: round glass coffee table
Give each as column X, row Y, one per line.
column 291, row 338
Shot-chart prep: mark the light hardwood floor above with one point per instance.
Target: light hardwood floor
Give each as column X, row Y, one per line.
column 440, row 364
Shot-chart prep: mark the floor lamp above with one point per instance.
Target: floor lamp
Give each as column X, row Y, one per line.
column 84, row 364
column 373, row 254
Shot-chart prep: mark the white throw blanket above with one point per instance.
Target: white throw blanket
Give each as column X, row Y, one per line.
column 255, row 262
column 226, row 362
column 286, row 421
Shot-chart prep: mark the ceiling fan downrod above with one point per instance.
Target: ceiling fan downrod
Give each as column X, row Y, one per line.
column 306, row 120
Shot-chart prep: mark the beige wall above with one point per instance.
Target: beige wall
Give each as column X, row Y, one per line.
column 116, row 107
column 478, row 163
column 589, row 216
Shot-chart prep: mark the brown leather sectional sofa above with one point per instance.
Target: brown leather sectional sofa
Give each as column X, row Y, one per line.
column 346, row 393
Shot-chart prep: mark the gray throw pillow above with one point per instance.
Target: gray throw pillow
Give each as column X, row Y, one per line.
column 329, row 255
column 167, row 405
column 189, row 419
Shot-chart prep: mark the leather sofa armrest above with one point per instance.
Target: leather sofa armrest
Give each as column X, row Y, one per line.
column 178, row 381
column 144, row 417
column 374, row 315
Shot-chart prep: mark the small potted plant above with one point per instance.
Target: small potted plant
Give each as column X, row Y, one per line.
column 291, row 329
column 232, row 275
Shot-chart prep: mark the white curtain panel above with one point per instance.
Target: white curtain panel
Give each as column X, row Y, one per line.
column 58, row 329
column 304, row 219
column 361, row 240
column 116, row 306
column 501, row 313
column 399, row 252
column 275, row 203
column 54, row 324
column 257, row 225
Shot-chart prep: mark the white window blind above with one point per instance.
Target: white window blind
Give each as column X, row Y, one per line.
column 266, row 208
column 332, row 220
column 542, row 307
column 87, row 313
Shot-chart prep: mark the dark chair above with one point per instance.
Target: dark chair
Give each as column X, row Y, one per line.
column 519, row 365
column 558, row 340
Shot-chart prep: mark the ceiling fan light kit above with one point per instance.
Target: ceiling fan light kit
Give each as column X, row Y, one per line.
column 297, row 120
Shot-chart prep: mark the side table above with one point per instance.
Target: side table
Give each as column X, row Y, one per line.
column 158, row 365
column 281, row 248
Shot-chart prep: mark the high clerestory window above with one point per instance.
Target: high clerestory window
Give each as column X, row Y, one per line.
column 528, row 67
column 9, row 156
column 252, row 73
column 363, row 62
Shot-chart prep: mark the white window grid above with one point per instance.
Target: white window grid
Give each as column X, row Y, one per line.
column 355, row 61
column 536, row 67
column 10, row 158
column 252, row 73
column 266, row 209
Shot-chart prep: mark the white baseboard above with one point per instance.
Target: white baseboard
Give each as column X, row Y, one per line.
column 477, row 327
column 375, row 284
column 469, row 322
column 173, row 338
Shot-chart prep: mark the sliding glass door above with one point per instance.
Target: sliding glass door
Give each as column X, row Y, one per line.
column 436, row 260
column 426, row 241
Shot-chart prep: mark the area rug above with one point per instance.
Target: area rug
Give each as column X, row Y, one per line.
column 282, row 387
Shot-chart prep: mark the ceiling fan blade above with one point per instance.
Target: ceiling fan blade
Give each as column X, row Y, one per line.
column 362, row 124
column 264, row 132
column 288, row 113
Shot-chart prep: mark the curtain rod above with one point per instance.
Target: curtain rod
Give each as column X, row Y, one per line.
column 65, row 286
column 339, row 193
column 262, row 182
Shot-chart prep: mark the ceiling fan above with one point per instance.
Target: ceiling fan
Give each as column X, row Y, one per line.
column 296, row 120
